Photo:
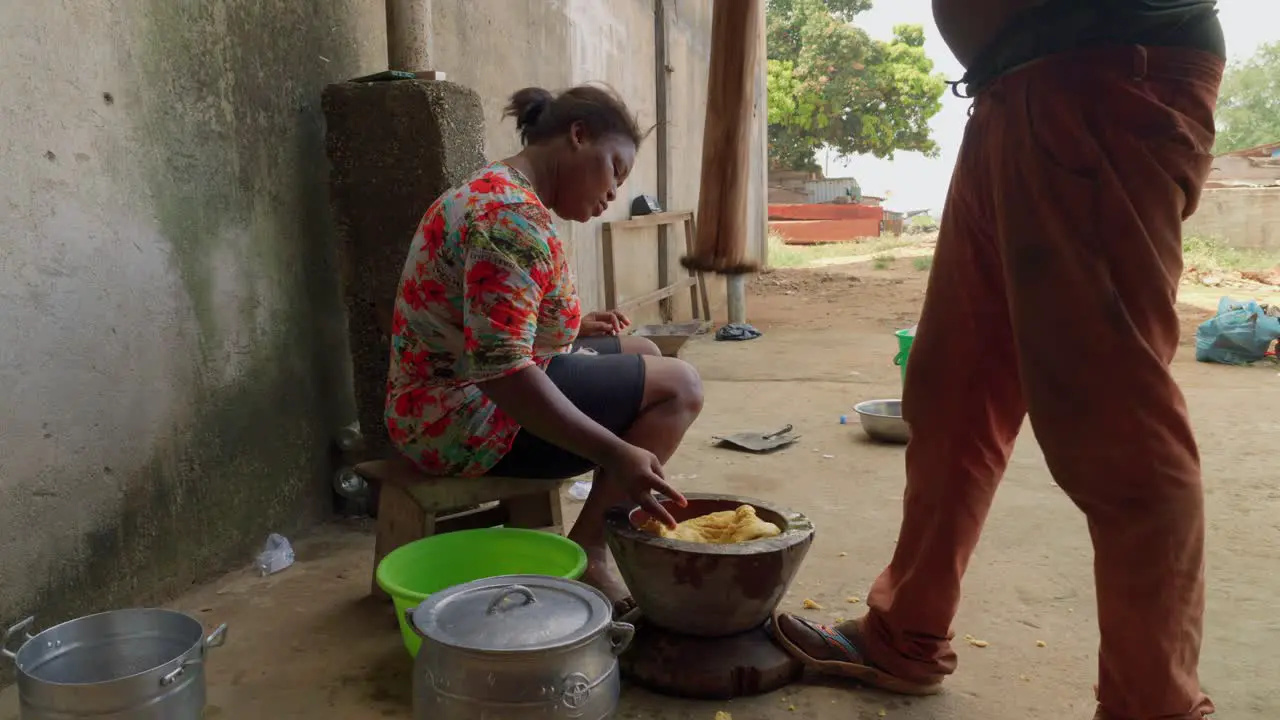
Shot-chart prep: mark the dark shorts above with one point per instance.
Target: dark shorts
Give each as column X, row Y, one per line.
column 607, row 387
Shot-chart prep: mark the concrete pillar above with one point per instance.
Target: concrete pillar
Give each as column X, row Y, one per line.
column 736, row 295
column 393, row 147
column 409, row 40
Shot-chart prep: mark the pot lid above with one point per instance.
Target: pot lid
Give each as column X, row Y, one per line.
column 513, row 613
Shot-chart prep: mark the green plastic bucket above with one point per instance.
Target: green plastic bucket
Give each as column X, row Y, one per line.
column 905, row 338
column 412, row 572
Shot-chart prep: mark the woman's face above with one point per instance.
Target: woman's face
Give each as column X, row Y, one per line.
column 590, row 173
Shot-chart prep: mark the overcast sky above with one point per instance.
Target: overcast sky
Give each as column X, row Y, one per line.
column 912, row 181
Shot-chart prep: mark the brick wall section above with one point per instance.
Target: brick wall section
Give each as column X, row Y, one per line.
column 1245, row 218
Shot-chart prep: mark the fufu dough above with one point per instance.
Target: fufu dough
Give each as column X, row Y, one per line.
column 718, row 528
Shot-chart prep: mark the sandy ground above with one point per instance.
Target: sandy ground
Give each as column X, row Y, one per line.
column 307, row 643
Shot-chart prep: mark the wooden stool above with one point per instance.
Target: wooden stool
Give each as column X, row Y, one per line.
column 409, row 504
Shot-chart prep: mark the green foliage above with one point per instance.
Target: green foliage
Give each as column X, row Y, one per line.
column 830, row 84
column 1249, row 104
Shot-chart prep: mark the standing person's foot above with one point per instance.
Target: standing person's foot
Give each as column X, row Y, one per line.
column 836, row 652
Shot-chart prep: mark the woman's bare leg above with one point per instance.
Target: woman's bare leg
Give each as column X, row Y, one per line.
column 672, row 400
column 636, row 345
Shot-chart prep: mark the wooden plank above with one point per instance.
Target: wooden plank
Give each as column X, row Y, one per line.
column 610, row 279
column 400, row 521
column 667, row 289
column 647, row 221
column 659, row 294
column 481, row 517
column 690, row 234
column 661, row 71
column 433, row 494
column 538, row 511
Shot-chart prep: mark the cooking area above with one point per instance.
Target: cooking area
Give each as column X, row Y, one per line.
column 703, row 609
column 312, row 643
column 391, row 359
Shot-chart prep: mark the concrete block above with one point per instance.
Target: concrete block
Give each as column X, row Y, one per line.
column 394, row 147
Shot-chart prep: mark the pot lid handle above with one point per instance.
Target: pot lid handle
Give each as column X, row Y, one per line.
column 496, row 606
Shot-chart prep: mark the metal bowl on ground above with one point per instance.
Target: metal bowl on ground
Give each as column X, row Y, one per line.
column 708, row 590
column 882, row 421
column 670, row 338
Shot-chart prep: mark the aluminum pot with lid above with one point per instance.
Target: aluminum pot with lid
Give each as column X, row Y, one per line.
column 517, row 647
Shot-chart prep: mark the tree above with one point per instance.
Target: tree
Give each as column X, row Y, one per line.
column 1249, row 104
column 830, row 84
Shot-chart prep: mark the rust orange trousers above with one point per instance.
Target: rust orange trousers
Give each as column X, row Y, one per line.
column 1053, row 295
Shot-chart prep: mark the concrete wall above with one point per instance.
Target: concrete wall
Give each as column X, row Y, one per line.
column 1244, row 170
column 172, row 337
column 173, row 346
column 1239, row 217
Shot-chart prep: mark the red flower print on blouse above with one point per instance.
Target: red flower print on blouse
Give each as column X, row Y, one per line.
column 487, row 185
column 420, row 292
column 433, row 291
column 396, row 431
column 398, row 322
column 411, row 294
column 433, row 235
column 436, row 429
column 540, row 275
column 509, row 316
column 411, row 403
column 485, row 278
column 417, row 363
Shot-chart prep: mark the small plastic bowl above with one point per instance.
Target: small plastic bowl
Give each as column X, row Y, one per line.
column 412, row 572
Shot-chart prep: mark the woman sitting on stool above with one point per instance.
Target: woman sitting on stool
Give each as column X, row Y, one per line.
column 487, row 376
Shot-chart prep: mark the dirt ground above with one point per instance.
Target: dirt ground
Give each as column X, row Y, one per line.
column 308, row 643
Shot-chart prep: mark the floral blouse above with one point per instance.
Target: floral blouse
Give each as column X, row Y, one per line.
column 486, row 292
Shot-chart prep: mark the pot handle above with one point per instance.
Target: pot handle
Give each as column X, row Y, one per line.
column 620, row 635
column 19, row 629
column 495, row 606
column 215, row 639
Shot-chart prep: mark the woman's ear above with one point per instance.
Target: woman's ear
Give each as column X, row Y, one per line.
column 577, row 134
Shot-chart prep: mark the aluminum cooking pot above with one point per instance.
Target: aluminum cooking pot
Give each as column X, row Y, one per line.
column 144, row 664
column 517, row 647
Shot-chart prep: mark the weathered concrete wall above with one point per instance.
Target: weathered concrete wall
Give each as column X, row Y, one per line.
column 173, row 337
column 174, row 343
column 1239, row 217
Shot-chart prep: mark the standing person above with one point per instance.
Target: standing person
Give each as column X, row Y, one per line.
column 1052, row 293
column 488, row 374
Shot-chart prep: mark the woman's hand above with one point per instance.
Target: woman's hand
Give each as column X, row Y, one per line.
column 604, row 322
column 639, row 474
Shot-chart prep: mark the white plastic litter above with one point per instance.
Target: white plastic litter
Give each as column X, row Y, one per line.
column 276, row 555
column 580, row 490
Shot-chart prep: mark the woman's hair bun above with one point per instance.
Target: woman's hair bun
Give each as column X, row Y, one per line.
column 598, row 110
column 526, row 106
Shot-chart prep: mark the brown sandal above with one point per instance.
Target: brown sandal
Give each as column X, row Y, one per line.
column 853, row 667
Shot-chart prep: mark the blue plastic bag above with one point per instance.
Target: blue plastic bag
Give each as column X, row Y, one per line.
column 1241, row 333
